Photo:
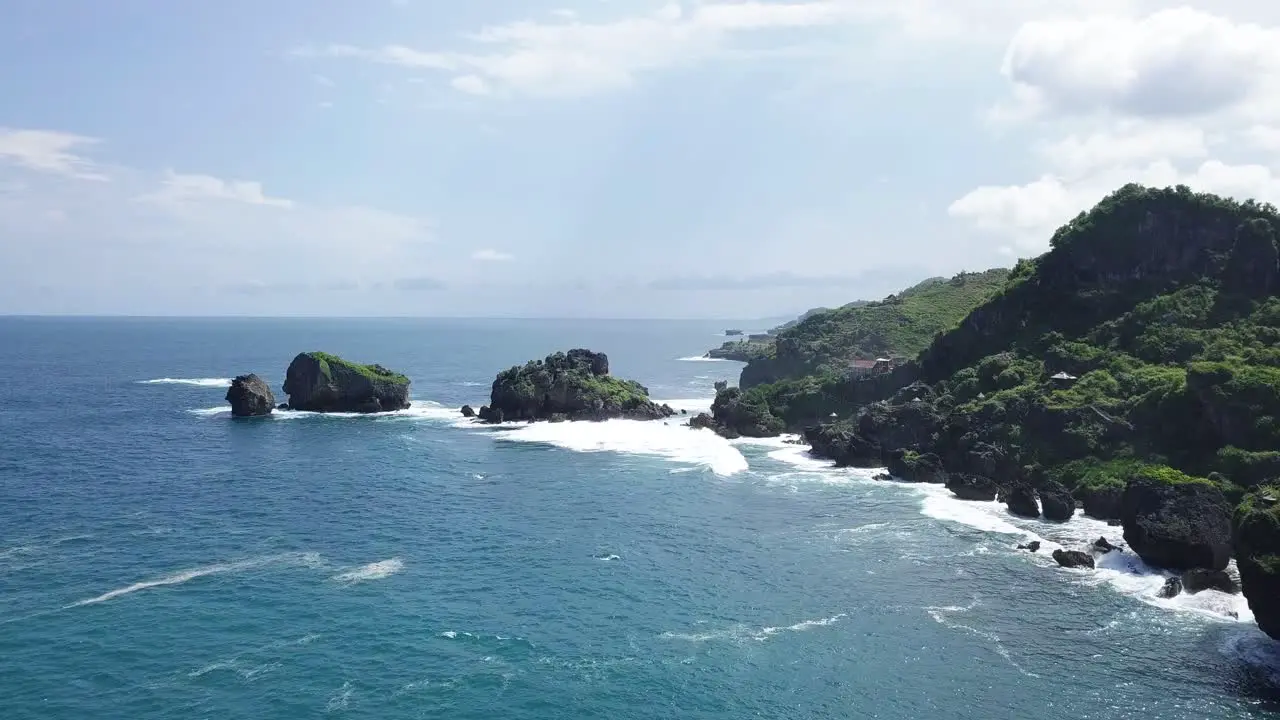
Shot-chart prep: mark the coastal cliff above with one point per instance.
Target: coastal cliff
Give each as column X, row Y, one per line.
column 1134, row 368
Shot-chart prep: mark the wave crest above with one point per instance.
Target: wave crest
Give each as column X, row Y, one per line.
column 195, row 382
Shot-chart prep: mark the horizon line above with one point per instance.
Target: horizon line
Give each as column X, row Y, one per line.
column 129, row 316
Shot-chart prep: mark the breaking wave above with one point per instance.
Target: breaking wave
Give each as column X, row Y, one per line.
column 196, row 382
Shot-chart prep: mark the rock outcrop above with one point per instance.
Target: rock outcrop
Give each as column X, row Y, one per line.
column 1056, row 502
column 1172, row 588
column 741, row 351
column 1256, row 534
column 573, row 386
column 1021, row 500
column 1101, row 501
column 1073, row 558
column 250, row 396
column 1103, row 546
column 320, row 382
column 739, row 414
column 972, row 487
column 1177, row 525
column 914, row 467
column 1200, row 579
column 468, row 411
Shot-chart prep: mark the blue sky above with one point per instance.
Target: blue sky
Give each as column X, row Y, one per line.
column 624, row 158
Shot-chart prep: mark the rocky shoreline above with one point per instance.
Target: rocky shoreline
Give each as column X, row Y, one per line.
column 1129, row 373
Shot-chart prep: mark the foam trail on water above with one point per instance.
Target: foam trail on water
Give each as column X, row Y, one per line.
column 673, row 441
column 183, row 576
column 197, row 382
column 372, row 571
column 701, row 358
column 741, row 633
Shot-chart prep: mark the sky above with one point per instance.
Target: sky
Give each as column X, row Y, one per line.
column 593, row 158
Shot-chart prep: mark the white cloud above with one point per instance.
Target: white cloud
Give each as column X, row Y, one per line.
column 179, row 188
column 322, row 80
column 1125, row 143
column 174, row 233
column 48, row 151
column 488, row 255
column 471, row 84
column 1172, row 63
column 568, row 56
column 1028, row 214
column 1161, row 99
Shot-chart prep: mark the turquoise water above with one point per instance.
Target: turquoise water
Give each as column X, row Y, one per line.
column 160, row 560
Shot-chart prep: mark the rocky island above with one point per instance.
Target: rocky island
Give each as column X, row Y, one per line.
column 741, row 350
column 250, row 396
column 1132, row 370
column 320, row 382
column 573, row 385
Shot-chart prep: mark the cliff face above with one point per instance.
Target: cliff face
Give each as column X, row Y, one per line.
column 320, row 382
column 1256, row 534
column 1177, row 525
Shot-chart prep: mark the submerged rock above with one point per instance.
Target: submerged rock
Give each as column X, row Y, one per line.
column 973, row 487
column 1172, row 588
column 702, row 420
column 1102, row 545
column 320, row 382
column 250, row 396
column 1033, row 546
column 1177, row 525
column 1199, row 579
column 1073, row 558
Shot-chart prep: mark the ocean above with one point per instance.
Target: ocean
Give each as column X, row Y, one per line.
column 159, row 559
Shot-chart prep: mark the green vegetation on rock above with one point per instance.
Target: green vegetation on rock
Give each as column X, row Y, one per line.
column 803, row 376
column 903, row 324
column 329, row 364
column 323, row 382
column 1255, row 529
column 568, row 386
column 1137, row 363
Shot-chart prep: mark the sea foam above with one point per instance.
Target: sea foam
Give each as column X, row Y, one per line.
column 183, row 576
column 673, row 441
column 372, row 571
column 701, row 358
column 197, row 382
column 741, row 633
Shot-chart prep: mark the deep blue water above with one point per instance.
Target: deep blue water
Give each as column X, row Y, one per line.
column 161, row 560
